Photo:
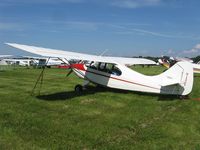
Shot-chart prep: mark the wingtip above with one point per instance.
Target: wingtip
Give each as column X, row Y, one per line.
column 11, row 44
column 8, row 43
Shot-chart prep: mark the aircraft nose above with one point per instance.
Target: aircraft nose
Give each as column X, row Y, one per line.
column 78, row 66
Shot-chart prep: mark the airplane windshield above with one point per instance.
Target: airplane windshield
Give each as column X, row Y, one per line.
column 105, row 67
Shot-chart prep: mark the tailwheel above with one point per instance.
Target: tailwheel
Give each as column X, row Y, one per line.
column 78, row 88
column 183, row 97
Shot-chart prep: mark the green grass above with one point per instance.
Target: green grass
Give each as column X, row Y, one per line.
column 97, row 119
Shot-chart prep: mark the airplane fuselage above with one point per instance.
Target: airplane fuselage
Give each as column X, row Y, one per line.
column 127, row 79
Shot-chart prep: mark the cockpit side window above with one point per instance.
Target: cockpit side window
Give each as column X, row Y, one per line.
column 93, row 65
column 116, row 71
column 105, row 67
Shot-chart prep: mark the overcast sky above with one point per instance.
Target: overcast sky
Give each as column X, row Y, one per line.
column 122, row 27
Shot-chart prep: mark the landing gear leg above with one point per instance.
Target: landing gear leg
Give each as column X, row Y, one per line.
column 85, row 84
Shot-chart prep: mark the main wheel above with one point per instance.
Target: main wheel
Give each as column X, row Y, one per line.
column 78, row 88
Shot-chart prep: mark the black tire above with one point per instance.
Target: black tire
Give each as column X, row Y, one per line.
column 183, row 97
column 78, row 88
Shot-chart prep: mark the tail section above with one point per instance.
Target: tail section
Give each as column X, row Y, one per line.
column 178, row 79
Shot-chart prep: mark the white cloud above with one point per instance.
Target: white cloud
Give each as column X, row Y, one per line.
column 197, row 46
column 128, row 30
column 152, row 33
column 191, row 51
column 135, row 3
column 194, row 50
column 170, row 52
column 118, row 28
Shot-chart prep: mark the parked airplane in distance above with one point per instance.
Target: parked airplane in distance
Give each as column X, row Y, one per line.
column 170, row 61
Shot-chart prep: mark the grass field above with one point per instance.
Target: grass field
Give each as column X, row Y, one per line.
column 97, row 119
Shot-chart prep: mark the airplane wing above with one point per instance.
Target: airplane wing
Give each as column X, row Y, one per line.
column 79, row 56
column 133, row 61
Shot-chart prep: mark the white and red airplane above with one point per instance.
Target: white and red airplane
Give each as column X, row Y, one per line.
column 113, row 73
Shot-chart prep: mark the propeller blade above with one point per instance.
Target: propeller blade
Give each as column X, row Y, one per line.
column 69, row 73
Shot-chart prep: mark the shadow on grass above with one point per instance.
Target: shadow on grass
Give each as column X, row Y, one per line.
column 168, row 97
column 160, row 97
column 2, row 70
column 196, row 76
column 68, row 95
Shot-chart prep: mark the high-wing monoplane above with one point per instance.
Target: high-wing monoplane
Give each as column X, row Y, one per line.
column 113, row 73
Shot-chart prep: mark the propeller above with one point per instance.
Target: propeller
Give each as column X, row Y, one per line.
column 69, row 72
column 69, row 66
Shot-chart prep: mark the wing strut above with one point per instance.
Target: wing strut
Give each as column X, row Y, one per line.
column 40, row 78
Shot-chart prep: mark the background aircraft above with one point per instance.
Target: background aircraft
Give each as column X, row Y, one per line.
column 170, row 61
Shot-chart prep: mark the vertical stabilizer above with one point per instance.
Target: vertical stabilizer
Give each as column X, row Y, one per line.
column 179, row 77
